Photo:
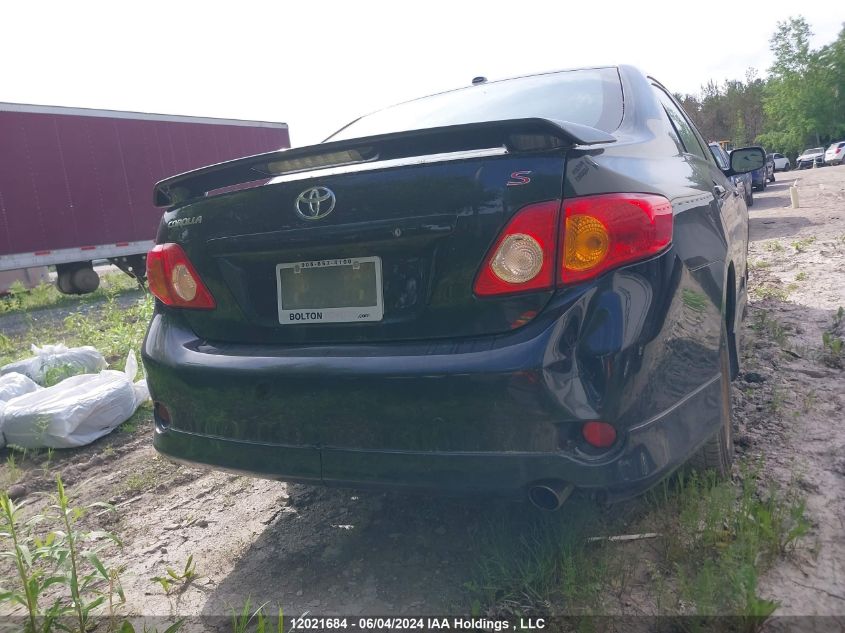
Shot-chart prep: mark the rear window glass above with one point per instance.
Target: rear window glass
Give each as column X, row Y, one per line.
column 590, row 97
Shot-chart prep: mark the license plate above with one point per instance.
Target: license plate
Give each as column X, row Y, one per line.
column 345, row 290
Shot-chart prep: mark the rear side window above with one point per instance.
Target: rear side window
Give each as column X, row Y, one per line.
column 681, row 124
column 590, row 97
column 719, row 155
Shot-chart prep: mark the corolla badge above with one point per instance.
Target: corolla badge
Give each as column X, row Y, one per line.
column 315, row 203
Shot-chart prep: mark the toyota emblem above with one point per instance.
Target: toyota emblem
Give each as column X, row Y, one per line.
column 315, row 203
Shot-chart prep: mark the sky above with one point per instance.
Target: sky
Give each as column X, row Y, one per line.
column 317, row 65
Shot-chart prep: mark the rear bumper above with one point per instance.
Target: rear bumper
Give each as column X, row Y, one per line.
column 650, row 452
column 492, row 414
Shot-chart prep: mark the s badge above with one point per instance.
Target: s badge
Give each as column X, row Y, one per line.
column 519, row 178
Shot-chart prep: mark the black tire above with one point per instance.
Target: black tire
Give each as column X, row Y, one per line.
column 64, row 283
column 749, row 199
column 718, row 452
column 763, row 186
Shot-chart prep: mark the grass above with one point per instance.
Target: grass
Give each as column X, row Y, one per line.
column 179, row 580
column 111, row 327
column 534, row 559
column 800, row 246
column 833, row 347
column 714, row 540
column 774, row 247
column 769, row 291
column 21, row 299
column 765, row 324
column 802, row 276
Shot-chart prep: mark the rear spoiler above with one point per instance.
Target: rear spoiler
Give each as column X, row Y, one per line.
column 515, row 134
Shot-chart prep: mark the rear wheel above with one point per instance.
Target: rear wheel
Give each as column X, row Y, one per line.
column 717, row 453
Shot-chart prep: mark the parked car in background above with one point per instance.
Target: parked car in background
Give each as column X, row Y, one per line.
column 741, row 182
column 517, row 288
column 759, row 177
column 782, row 163
column 810, row 156
column 834, row 153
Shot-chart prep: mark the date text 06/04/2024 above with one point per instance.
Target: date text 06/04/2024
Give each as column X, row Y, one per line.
column 306, row 623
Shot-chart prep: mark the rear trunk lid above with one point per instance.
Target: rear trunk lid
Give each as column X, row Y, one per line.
column 394, row 242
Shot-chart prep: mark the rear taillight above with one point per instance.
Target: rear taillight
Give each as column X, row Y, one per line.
column 597, row 234
column 174, row 281
column 604, row 232
column 523, row 257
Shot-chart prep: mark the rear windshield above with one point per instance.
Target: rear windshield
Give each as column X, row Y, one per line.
column 590, row 97
column 814, row 150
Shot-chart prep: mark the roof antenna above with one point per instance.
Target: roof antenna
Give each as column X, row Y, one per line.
column 479, row 80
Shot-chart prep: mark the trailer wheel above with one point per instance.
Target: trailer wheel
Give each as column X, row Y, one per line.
column 85, row 280
column 78, row 278
column 63, row 282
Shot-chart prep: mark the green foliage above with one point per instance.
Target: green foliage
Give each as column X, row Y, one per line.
column 241, row 621
column 798, row 105
column 833, row 347
column 708, row 541
column 45, row 295
column 50, row 552
column 173, row 579
column 54, row 375
column 114, row 330
column 801, row 245
column 719, row 538
column 767, row 325
column 802, row 95
column 535, row 559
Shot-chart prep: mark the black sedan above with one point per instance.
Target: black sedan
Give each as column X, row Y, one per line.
column 518, row 287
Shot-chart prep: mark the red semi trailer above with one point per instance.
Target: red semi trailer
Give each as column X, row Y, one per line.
column 76, row 184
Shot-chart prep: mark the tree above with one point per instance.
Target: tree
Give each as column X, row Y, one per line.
column 800, row 98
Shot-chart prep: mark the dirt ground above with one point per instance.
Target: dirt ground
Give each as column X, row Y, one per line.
column 327, row 551
column 795, row 417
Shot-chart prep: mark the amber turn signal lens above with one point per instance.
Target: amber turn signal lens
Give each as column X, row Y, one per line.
column 586, row 242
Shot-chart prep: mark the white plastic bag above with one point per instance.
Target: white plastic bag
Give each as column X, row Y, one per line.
column 13, row 385
column 73, row 360
column 74, row 412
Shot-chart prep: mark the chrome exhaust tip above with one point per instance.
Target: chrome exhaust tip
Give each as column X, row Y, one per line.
column 549, row 495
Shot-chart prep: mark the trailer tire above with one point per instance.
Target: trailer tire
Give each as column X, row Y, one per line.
column 64, row 283
column 77, row 278
column 85, row 280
